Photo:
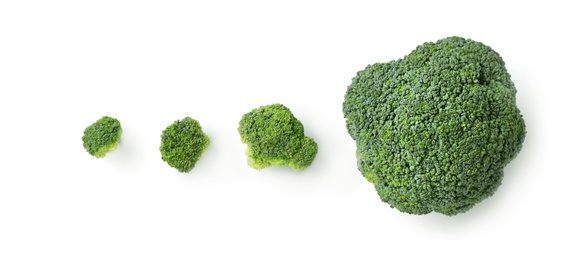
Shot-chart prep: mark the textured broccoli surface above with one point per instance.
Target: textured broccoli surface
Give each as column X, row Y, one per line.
column 275, row 137
column 102, row 136
column 435, row 129
column 183, row 143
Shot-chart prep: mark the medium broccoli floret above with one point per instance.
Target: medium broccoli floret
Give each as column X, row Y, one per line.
column 102, row 136
column 435, row 129
column 183, row 143
column 275, row 137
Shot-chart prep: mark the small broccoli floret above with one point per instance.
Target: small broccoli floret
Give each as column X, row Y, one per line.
column 275, row 137
column 435, row 129
column 183, row 143
column 102, row 136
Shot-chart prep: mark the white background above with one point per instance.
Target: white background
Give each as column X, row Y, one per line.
column 64, row 64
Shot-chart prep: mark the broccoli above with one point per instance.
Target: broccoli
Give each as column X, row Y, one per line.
column 435, row 129
column 183, row 143
column 102, row 136
column 275, row 137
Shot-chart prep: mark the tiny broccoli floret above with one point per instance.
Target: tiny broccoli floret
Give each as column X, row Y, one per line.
column 102, row 136
column 435, row 129
column 275, row 137
column 183, row 143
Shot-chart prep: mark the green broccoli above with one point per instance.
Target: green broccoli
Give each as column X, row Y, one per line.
column 275, row 137
column 102, row 136
column 183, row 143
column 435, row 129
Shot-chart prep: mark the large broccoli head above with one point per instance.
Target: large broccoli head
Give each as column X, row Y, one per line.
column 102, row 136
column 183, row 143
column 435, row 129
column 275, row 137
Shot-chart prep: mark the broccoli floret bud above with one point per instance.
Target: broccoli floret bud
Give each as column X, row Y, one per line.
column 183, row 143
column 102, row 136
column 275, row 137
column 435, row 129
